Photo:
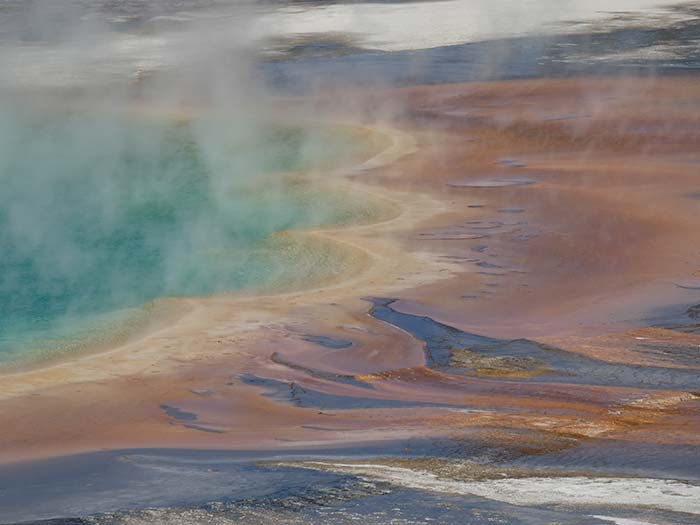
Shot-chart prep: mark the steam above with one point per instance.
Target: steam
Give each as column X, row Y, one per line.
column 143, row 163
column 138, row 139
column 387, row 26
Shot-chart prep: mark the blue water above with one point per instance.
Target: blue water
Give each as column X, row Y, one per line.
column 100, row 214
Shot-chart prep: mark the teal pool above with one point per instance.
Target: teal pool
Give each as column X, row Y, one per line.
column 100, row 214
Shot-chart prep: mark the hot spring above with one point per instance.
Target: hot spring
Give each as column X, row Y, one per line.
column 100, row 214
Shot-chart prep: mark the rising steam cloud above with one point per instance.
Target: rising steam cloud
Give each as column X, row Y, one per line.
column 139, row 158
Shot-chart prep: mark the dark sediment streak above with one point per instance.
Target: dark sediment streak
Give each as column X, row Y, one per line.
column 442, row 341
column 333, row 343
column 301, row 396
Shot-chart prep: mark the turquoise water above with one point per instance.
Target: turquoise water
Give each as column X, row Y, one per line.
column 100, row 214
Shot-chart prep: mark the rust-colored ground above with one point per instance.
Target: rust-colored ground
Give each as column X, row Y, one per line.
column 582, row 243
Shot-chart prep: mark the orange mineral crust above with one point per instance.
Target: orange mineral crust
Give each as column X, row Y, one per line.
column 532, row 281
